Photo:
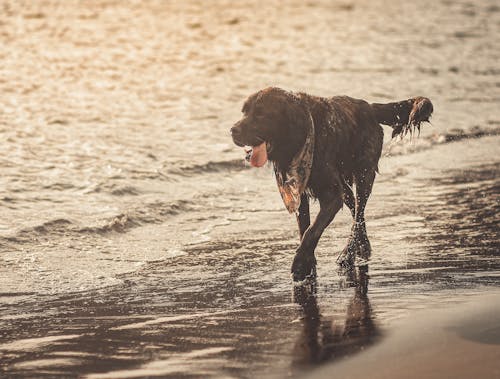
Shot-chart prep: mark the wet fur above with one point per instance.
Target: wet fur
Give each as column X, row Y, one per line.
column 348, row 144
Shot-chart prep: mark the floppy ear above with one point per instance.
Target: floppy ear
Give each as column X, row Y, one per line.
column 292, row 180
column 300, row 122
column 298, row 125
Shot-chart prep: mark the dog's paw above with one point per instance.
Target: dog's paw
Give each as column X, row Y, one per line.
column 303, row 267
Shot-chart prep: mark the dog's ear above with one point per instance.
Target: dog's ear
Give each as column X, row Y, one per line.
column 298, row 123
column 300, row 120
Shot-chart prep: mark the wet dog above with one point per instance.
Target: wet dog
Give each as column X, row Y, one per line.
column 319, row 148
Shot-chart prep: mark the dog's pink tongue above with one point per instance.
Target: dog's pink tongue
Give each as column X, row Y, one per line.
column 259, row 155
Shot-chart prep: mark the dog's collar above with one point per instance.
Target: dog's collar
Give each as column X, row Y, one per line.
column 293, row 184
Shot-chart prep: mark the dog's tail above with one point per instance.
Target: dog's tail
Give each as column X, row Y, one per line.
column 404, row 116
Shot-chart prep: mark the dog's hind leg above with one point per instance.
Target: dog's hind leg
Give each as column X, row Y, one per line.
column 364, row 184
column 349, row 251
column 358, row 243
column 303, row 216
column 305, row 262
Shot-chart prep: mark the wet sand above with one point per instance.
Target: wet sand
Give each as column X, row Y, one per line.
column 135, row 242
column 460, row 342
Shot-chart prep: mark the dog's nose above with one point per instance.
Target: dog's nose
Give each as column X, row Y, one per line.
column 235, row 131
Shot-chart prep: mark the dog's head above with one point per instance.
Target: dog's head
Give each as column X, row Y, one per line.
column 274, row 124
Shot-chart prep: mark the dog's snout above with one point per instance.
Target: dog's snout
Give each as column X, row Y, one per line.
column 237, row 134
column 235, row 130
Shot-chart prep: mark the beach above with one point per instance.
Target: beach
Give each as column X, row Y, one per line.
column 136, row 242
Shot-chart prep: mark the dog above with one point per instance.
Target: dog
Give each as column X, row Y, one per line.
column 319, row 148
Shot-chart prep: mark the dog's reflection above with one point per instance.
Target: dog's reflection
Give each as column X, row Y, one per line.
column 323, row 339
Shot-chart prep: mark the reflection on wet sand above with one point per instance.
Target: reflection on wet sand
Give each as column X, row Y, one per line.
column 323, row 339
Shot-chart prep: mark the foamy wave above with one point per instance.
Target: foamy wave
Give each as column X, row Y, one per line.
column 152, row 213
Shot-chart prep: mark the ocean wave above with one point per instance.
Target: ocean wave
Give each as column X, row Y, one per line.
column 151, row 213
column 119, row 223
column 56, row 226
column 115, row 190
column 209, row 167
column 416, row 144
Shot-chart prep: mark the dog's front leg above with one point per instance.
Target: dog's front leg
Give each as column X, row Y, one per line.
column 305, row 262
column 303, row 217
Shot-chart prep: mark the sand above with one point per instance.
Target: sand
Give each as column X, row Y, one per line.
column 459, row 342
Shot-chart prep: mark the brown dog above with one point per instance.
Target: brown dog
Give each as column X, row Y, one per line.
column 319, row 147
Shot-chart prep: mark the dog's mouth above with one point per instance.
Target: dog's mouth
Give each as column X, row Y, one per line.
column 257, row 155
column 257, row 150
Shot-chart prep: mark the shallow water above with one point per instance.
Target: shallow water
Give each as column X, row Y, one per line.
column 134, row 237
